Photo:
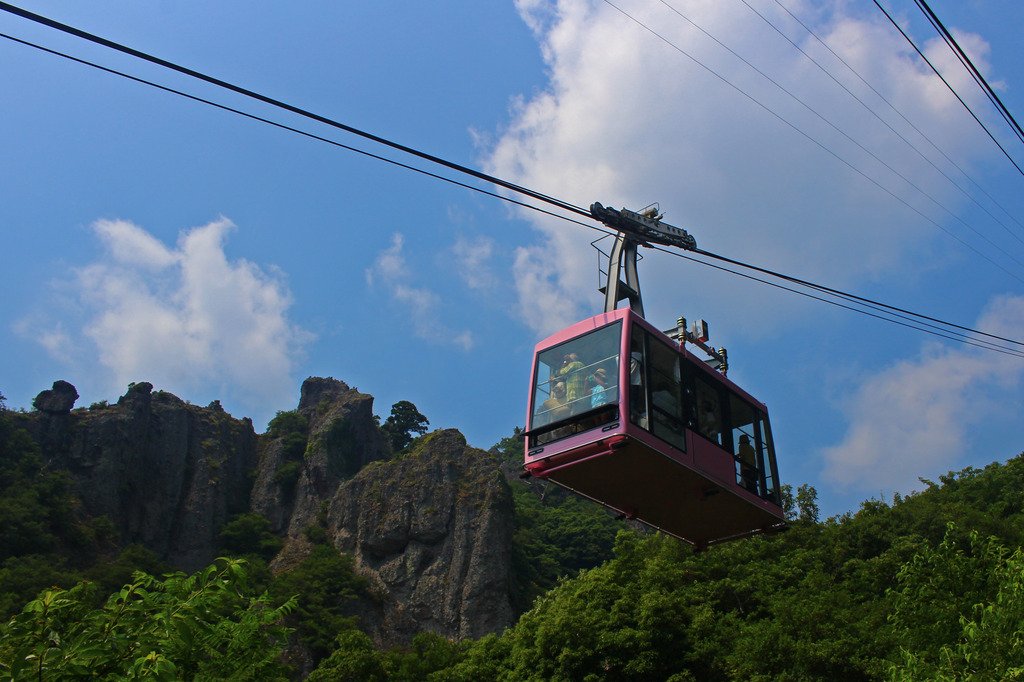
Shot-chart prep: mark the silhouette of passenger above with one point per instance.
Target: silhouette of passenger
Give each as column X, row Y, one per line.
column 708, row 423
column 748, row 463
column 599, row 386
column 554, row 408
column 575, row 382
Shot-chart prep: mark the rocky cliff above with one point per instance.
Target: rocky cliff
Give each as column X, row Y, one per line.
column 430, row 528
column 167, row 473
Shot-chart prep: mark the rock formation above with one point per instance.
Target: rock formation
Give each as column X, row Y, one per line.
column 166, row 473
column 57, row 400
column 433, row 530
column 431, row 527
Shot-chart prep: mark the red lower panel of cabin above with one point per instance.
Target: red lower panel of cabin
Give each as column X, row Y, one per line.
column 641, row 483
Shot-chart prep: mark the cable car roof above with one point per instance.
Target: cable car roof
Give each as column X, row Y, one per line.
column 604, row 319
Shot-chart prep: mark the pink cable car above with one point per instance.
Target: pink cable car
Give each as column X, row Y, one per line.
column 627, row 416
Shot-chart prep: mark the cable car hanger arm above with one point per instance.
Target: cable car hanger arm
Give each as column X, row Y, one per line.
column 633, row 229
column 646, row 226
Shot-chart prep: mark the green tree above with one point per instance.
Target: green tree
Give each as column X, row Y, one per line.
column 325, row 585
column 959, row 611
column 250, row 535
column 354, row 659
column 807, row 503
column 555, row 534
column 206, row 625
column 404, row 421
column 286, row 423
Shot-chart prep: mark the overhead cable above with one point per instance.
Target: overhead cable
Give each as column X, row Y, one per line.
column 562, row 205
column 971, row 68
column 71, row 30
column 874, row 113
column 849, row 137
column 894, row 108
column 292, row 129
column 817, row 142
column 849, row 296
column 959, row 338
column 950, row 87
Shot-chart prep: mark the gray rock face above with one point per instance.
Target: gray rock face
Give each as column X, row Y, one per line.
column 430, row 528
column 57, row 400
column 168, row 474
column 342, row 438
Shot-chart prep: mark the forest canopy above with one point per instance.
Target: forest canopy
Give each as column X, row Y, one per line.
column 927, row 586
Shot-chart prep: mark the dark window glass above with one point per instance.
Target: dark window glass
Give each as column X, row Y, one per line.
column 744, row 422
column 667, row 419
column 638, row 378
column 771, row 472
column 709, row 410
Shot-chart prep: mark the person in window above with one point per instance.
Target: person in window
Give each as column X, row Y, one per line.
column 598, row 387
column 554, row 408
column 637, row 399
column 575, row 383
column 748, row 464
column 708, row 423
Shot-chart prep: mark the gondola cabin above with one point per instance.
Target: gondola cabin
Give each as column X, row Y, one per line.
column 621, row 414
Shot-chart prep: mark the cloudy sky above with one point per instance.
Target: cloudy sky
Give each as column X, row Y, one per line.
column 149, row 237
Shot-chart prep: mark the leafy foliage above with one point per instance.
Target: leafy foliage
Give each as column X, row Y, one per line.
column 959, row 611
column 404, row 421
column 555, row 534
column 250, row 535
column 355, row 659
column 554, row 537
column 811, row 604
column 325, row 585
column 36, row 506
column 892, row 591
column 287, row 423
column 180, row 627
column 44, row 539
column 292, row 428
column 286, row 476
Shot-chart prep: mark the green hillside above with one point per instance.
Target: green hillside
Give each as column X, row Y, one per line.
column 929, row 586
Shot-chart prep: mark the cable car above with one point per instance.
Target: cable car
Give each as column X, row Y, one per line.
column 628, row 416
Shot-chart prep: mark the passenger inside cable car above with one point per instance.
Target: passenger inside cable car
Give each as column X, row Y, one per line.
column 683, row 449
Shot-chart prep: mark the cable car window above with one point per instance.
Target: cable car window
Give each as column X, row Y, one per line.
column 666, row 398
column 637, row 378
column 709, row 411
column 577, row 377
column 744, row 423
column 771, row 474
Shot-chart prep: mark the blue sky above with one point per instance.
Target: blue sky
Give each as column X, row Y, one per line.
column 147, row 237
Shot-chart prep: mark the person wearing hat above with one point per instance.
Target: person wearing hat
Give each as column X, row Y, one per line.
column 554, row 408
column 571, row 372
column 599, row 384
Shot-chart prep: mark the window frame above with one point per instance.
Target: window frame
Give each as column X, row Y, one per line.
column 571, row 422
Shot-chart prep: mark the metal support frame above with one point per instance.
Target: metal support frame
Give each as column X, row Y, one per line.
column 632, row 230
column 623, row 257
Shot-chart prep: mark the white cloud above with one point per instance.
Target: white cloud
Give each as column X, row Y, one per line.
column 52, row 337
column 184, row 318
column 626, row 120
column 132, row 246
column 390, row 264
column 473, row 262
column 913, row 417
column 422, row 305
